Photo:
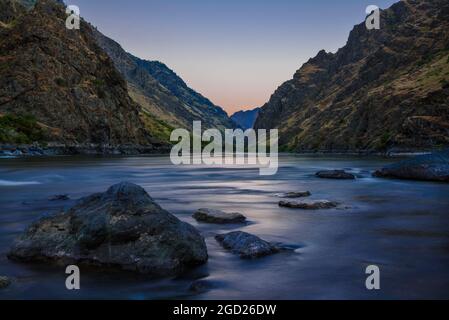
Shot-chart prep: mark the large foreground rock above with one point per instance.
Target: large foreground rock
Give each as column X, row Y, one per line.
column 432, row 167
column 335, row 174
column 219, row 217
column 122, row 228
column 246, row 245
column 309, row 205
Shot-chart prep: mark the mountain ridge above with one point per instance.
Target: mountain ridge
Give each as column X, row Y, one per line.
column 131, row 102
column 384, row 90
column 161, row 92
column 64, row 80
column 246, row 118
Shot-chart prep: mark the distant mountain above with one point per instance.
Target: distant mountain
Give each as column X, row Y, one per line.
column 161, row 92
column 246, row 119
column 385, row 89
column 61, row 83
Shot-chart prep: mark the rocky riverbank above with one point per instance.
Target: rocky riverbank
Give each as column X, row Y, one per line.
column 55, row 149
column 37, row 150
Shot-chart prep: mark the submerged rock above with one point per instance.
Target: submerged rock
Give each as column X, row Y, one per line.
column 122, row 228
column 217, row 216
column 201, row 286
column 59, row 197
column 309, row 205
column 432, row 167
column 292, row 195
column 335, row 174
column 5, row 282
column 246, row 245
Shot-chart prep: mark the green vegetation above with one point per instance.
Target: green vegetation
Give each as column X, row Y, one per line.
column 424, row 60
column 318, row 141
column 435, row 72
column 98, row 83
column 156, row 127
column 3, row 66
column 286, row 148
column 20, row 129
column 9, row 25
column 60, row 82
column 384, row 140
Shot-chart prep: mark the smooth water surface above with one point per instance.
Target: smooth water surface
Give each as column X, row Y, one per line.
column 400, row 226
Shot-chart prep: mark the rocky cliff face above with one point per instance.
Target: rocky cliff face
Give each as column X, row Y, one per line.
column 64, row 79
column 385, row 89
column 161, row 92
column 246, row 119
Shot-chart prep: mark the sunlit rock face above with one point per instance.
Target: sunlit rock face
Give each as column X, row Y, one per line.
column 64, row 79
column 384, row 90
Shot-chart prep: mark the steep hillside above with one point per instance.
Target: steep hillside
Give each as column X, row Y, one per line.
column 384, row 90
column 64, row 81
column 246, row 119
column 161, row 93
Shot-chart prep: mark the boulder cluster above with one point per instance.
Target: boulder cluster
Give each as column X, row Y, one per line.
column 124, row 228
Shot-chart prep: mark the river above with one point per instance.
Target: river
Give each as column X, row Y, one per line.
column 400, row 226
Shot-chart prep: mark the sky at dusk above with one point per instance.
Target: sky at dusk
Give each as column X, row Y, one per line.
column 235, row 52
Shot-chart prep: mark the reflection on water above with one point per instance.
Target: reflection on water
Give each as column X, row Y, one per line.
column 401, row 226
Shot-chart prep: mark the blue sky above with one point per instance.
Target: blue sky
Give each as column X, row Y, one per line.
column 235, row 52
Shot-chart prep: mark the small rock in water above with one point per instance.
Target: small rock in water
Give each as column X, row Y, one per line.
column 309, row 205
column 122, row 228
column 292, row 195
column 59, row 197
column 335, row 174
column 4, row 282
column 246, row 245
column 217, row 216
